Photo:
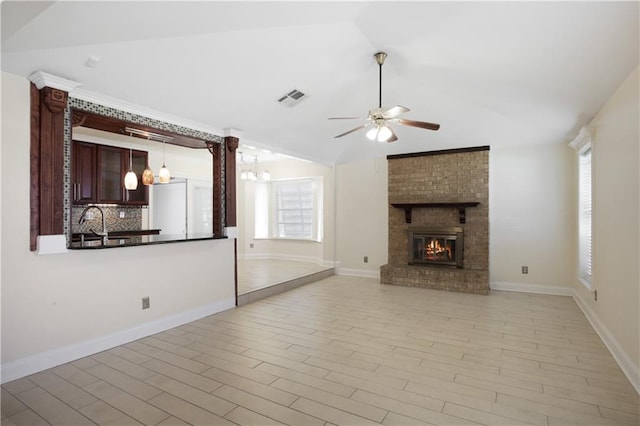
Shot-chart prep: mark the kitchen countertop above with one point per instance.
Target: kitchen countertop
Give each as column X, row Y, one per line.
column 122, row 239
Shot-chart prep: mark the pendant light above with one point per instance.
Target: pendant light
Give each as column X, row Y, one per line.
column 164, row 174
column 147, row 175
column 131, row 179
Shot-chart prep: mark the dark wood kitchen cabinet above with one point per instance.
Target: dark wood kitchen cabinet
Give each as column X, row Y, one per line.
column 83, row 173
column 98, row 175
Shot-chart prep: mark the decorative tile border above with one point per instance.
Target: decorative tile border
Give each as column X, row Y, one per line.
column 132, row 118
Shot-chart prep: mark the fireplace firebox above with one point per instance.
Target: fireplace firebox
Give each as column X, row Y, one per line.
column 437, row 247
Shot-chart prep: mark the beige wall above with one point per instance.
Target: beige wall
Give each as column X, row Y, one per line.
column 59, row 306
column 362, row 216
column 321, row 252
column 532, row 217
column 616, row 228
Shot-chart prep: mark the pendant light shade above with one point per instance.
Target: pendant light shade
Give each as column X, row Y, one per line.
column 164, row 174
column 130, row 179
column 147, row 176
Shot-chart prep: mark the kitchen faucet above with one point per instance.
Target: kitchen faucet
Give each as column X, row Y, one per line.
column 104, row 234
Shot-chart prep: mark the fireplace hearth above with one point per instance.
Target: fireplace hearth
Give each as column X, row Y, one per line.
column 436, row 247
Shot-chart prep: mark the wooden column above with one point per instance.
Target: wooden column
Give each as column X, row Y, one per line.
column 216, row 151
column 231, row 145
column 47, row 162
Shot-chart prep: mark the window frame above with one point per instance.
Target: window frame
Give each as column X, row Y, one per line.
column 268, row 208
column 583, row 144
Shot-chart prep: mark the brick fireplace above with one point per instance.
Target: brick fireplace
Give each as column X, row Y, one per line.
column 439, row 220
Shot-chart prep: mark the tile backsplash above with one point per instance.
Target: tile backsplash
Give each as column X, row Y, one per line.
column 132, row 220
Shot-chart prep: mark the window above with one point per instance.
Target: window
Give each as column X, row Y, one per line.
column 290, row 209
column 584, row 218
column 583, row 145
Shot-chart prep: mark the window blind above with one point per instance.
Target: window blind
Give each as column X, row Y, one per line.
column 585, row 213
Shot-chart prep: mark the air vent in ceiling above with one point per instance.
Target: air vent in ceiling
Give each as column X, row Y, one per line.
column 292, row 98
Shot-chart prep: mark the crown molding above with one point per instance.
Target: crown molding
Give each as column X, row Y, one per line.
column 42, row 79
column 583, row 141
column 119, row 104
column 232, row 132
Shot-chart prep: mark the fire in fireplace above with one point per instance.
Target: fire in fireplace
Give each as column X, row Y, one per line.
column 439, row 247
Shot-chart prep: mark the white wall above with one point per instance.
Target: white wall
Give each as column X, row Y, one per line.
column 59, row 307
column 532, row 215
column 616, row 228
column 320, row 252
column 362, row 217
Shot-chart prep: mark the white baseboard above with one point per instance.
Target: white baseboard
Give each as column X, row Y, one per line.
column 358, row 273
column 42, row 361
column 289, row 257
column 628, row 367
column 626, row 364
column 531, row 288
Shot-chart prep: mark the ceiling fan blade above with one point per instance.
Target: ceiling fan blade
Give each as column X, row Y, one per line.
column 394, row 111
column 393, row 136
column 345, row 118
column 351, row 131
column 421, row 124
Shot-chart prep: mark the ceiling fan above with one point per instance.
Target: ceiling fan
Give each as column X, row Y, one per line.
column 380, row 117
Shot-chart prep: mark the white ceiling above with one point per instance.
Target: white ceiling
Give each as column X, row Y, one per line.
column 491, row 73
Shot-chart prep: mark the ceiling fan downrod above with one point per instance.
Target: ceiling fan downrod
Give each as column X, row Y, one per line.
column 380, row 57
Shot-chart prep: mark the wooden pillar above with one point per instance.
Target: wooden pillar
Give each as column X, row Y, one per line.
column 231, row 145
column 216, row 151
column 47, row 162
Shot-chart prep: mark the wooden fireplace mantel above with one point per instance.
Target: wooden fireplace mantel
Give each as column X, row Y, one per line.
column 462, row 206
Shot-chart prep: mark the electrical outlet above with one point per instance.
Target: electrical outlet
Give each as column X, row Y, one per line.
column 525, row 269
column 122, row 215
column 366, row 259
column 595, row 295
column 250, row 245
column 145, row 303
column 89, row 215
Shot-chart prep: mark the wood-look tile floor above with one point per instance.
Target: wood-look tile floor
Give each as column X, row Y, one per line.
column 254, row 274
column 349, row 351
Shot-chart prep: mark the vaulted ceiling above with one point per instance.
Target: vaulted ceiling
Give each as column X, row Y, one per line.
column 490, row 73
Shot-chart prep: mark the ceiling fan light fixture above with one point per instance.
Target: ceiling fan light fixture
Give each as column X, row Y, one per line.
column 372, row 134
column 384, row 134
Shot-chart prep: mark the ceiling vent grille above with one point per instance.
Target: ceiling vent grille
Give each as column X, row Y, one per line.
column 292, row 98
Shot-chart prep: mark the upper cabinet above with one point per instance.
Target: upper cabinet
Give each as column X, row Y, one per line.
column 83, row 173
column 98, row 175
